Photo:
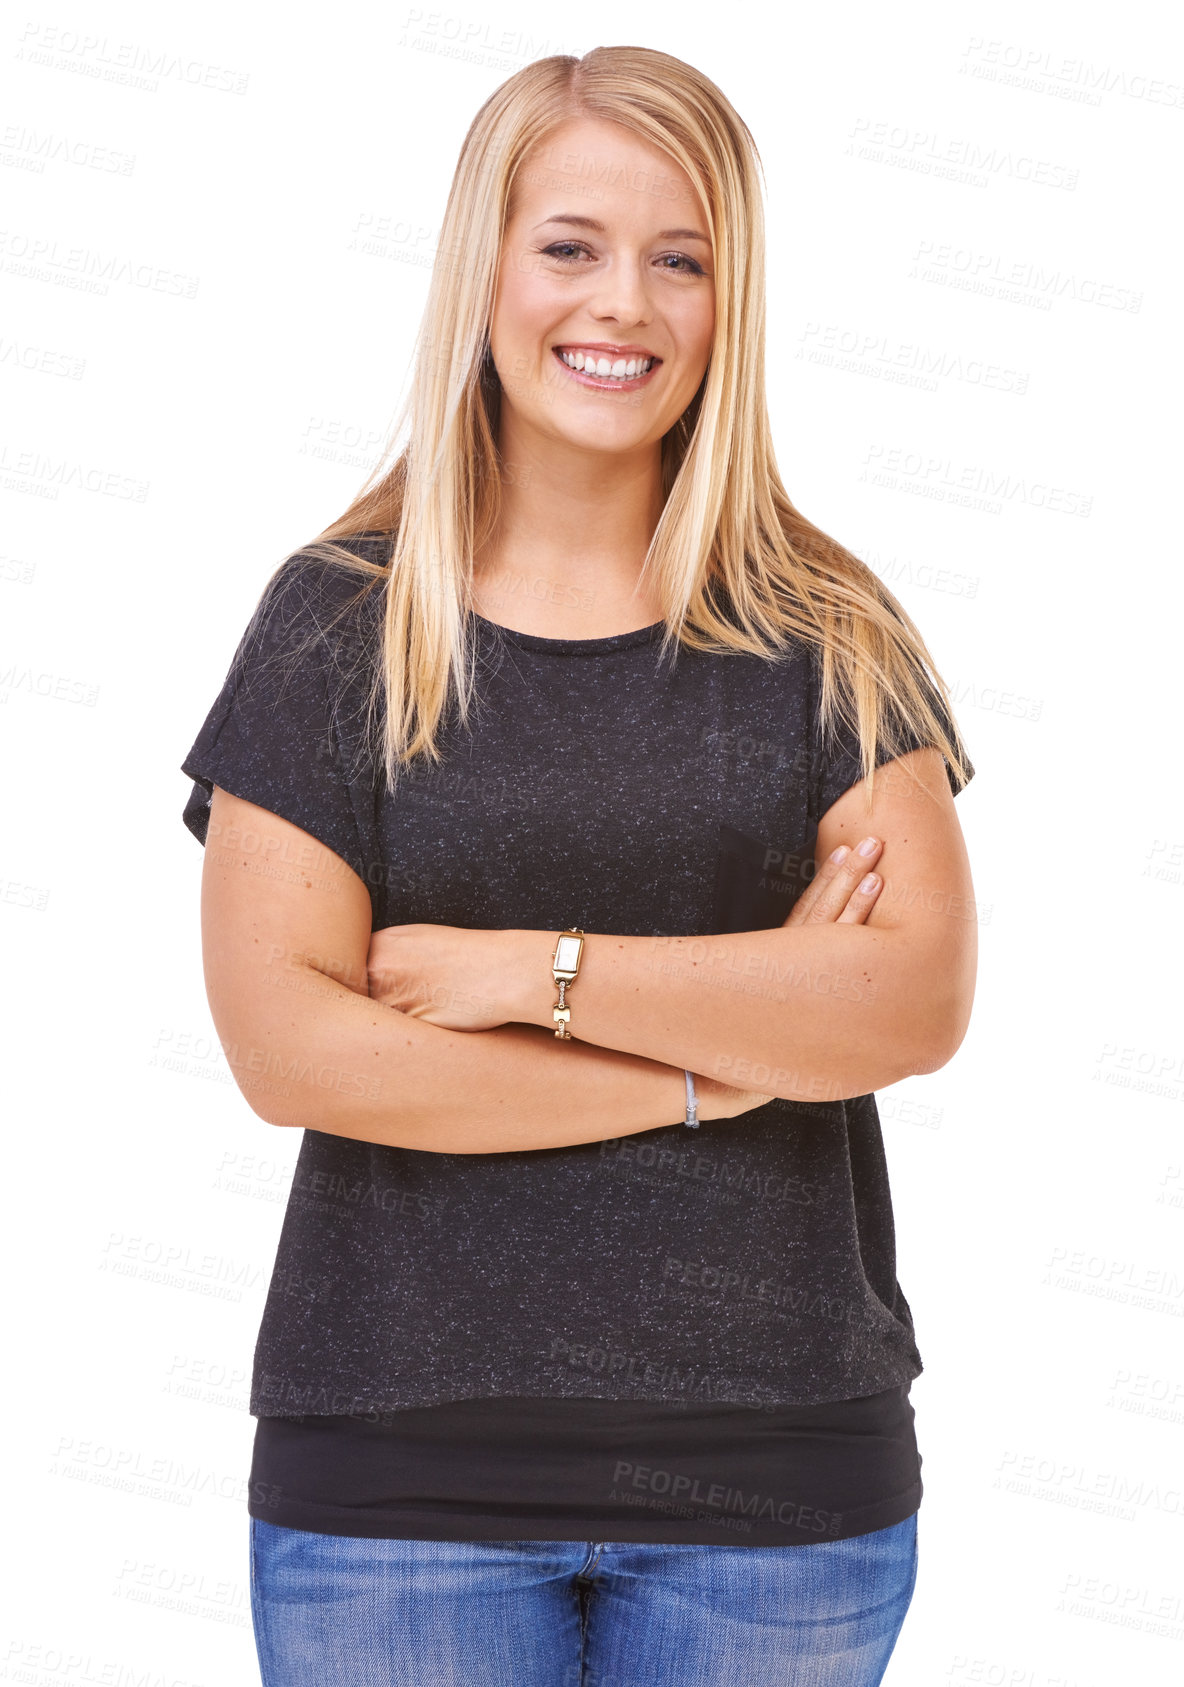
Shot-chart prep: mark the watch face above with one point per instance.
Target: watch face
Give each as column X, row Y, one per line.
column 567, row 954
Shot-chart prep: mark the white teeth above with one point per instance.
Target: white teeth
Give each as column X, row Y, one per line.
column 623, row 369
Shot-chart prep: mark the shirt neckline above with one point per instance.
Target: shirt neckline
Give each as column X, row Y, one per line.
column 572, row 646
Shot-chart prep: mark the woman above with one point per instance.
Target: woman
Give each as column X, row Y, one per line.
column 539, row 786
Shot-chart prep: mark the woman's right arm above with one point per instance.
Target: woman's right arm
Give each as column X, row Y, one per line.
column 285, row 936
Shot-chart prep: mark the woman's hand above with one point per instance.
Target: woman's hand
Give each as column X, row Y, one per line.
column 447, row 975
column 718, row 1100
column 833, row 894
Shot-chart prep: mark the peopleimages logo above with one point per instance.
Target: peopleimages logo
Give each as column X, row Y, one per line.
column 731, row 1175
column 725, row 1282
column 716, row 1496
column 659, row 1381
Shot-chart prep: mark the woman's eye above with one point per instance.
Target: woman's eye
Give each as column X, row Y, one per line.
column 561, row 247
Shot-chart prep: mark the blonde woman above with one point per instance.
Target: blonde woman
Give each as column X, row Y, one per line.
column 580, row 858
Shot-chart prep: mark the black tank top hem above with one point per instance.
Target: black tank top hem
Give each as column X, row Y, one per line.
column 540, row 1469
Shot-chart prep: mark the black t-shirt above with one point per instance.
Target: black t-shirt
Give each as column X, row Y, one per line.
column 748, row 1264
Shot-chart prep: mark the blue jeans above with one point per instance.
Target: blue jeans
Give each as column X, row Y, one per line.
column 344, row 1611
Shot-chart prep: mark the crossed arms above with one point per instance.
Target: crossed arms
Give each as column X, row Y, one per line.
column 440, row 1038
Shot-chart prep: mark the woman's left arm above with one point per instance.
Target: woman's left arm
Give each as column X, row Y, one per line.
column 814, row 1010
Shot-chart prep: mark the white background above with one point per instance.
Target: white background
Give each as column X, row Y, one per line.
column 974, row 352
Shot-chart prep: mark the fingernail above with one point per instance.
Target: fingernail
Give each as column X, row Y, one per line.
column 868, row 846
column 869, row 884
column 840, row 853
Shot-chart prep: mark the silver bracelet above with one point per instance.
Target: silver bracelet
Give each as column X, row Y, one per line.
column 692, row 1118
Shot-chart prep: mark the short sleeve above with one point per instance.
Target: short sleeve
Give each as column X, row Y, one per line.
column 269, row 736
column 836, row 764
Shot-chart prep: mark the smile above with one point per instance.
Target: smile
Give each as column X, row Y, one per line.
column 598, row 370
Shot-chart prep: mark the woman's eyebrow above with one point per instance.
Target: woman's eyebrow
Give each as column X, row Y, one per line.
column 599, row 228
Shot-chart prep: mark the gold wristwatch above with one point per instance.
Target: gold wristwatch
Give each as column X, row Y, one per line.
column 565, row 964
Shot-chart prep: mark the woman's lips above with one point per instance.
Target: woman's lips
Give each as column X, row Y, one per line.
column 606, row 383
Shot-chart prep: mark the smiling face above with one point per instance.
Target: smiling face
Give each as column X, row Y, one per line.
column 606, row 266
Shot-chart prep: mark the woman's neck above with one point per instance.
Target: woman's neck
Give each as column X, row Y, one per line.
column 562, row 598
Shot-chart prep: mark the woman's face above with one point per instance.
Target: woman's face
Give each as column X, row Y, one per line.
column 605, row 252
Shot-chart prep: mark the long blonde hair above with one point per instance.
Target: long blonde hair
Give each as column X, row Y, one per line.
column 734, row 565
